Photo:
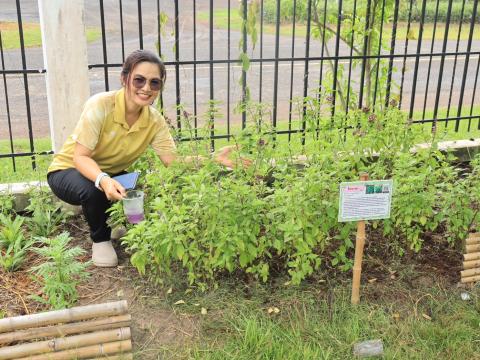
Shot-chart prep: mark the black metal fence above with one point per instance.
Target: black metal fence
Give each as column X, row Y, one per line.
column 422, row 54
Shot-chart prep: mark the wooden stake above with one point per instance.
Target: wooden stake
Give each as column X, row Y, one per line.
column 98, row 350
column 471, row 264
column 472, row 248
column 468, row 257
column 65, row 343
column 470, row 272
column 470, row 279
column 357, row 264
column 63, row 316
column 113, row 322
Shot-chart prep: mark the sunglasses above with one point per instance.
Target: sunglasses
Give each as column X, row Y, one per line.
column 139, row 82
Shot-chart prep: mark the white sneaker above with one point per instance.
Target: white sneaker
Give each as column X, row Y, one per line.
column 104, row 255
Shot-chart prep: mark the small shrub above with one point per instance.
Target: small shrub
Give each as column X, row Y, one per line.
column 13, row 244
column 6, row 203
column 281, row 216
column 61, row 272
column 46, row 215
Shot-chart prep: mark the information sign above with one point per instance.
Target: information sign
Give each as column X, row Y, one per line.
column 365, row 200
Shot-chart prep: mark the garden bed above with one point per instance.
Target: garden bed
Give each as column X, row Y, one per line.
column 167, row 319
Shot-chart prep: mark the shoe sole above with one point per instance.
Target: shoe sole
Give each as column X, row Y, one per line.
column 105, row 265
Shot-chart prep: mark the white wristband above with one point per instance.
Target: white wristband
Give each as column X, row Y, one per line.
column 99, row 178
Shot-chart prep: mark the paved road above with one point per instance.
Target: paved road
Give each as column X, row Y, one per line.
column 225, row 77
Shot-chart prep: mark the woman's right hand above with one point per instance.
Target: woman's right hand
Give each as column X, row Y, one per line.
column 112, row 188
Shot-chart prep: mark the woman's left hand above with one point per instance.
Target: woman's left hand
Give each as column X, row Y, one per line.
column 222, row 156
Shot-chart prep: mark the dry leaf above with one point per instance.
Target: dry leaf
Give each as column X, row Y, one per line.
column 372, row 280
column 179, row 302
column 426, row 317
column 203, row 311
column 273, row 310
column 396, row 316
column 169, row 291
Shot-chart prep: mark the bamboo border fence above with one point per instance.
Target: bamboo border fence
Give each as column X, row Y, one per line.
column 82, row 332
column 471, row 259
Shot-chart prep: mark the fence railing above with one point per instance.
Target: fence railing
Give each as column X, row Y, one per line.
column 423, row 55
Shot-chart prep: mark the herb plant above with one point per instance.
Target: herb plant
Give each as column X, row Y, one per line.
column 6, row 203
column 13, row 244
column 46, row 214
column 61, row 272
column 280, row 215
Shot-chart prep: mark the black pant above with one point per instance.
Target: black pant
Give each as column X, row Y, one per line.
column 74, row 188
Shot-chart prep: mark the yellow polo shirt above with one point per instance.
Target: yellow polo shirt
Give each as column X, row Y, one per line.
column 103, row 129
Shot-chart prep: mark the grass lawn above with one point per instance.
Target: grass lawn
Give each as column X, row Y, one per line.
column 32, row 35
column 415, row 316
column 308, row 327
column 24, row 170
column 220, row 20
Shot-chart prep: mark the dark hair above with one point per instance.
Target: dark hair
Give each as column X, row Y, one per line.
column 136, row 58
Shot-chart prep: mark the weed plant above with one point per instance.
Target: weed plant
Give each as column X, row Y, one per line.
column 13, row 243
column 46, row 214
column 6, row 203
column 61, row 272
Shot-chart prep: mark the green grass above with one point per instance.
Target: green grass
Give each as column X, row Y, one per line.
column 24, row 170
column 32, row 35
column 220, row 21
column 447, row 130
column 317, row 321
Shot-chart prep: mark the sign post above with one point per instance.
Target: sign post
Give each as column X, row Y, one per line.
column 360, row 201
column 357, row 264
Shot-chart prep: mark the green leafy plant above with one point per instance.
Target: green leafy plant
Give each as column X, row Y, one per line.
column 280, row 214
column 13, row 244
column 462, row 203
column 46, row 214
column 61, row 272
column 6, row 203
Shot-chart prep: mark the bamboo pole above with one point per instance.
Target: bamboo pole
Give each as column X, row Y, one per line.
column 97, row 351
column 65, row 343
column 470, row 272
column 359, row 245
column 471, row 264
column 470, row 279
column 472, row 248
column 63, row 316
column 472, row 256
column 112, row 322
column 472, row 240
column 116, row 357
